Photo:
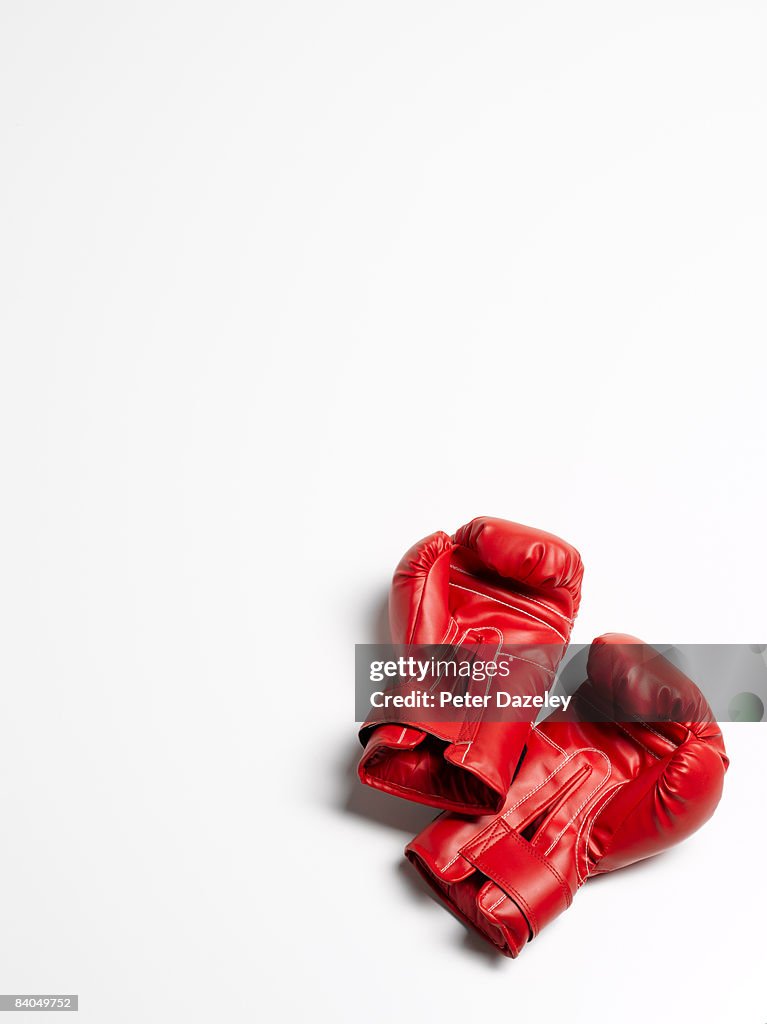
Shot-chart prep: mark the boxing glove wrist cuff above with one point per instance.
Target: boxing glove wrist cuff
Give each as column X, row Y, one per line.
column 498, row 882
column 521, row 872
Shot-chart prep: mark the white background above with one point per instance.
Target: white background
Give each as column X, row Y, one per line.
column 287, row 286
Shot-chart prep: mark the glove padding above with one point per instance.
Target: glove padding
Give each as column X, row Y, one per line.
column 494, row 583
column 635, row 765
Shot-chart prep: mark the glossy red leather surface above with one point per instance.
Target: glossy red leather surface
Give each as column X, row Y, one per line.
column 590, row 797
column 493, row 582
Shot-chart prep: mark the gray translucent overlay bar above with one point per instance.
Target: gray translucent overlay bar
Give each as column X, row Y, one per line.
column 617, row 681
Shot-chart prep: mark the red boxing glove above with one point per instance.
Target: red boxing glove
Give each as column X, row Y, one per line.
column 591, row 796
column 495, row 583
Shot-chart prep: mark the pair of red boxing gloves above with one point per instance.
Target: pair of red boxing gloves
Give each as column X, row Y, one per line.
column 634, row 764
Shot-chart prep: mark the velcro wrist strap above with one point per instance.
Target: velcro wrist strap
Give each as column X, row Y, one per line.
column 521, row 872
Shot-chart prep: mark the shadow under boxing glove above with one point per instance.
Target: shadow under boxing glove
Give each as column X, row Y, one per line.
column 494, row 583
column 635, row 765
